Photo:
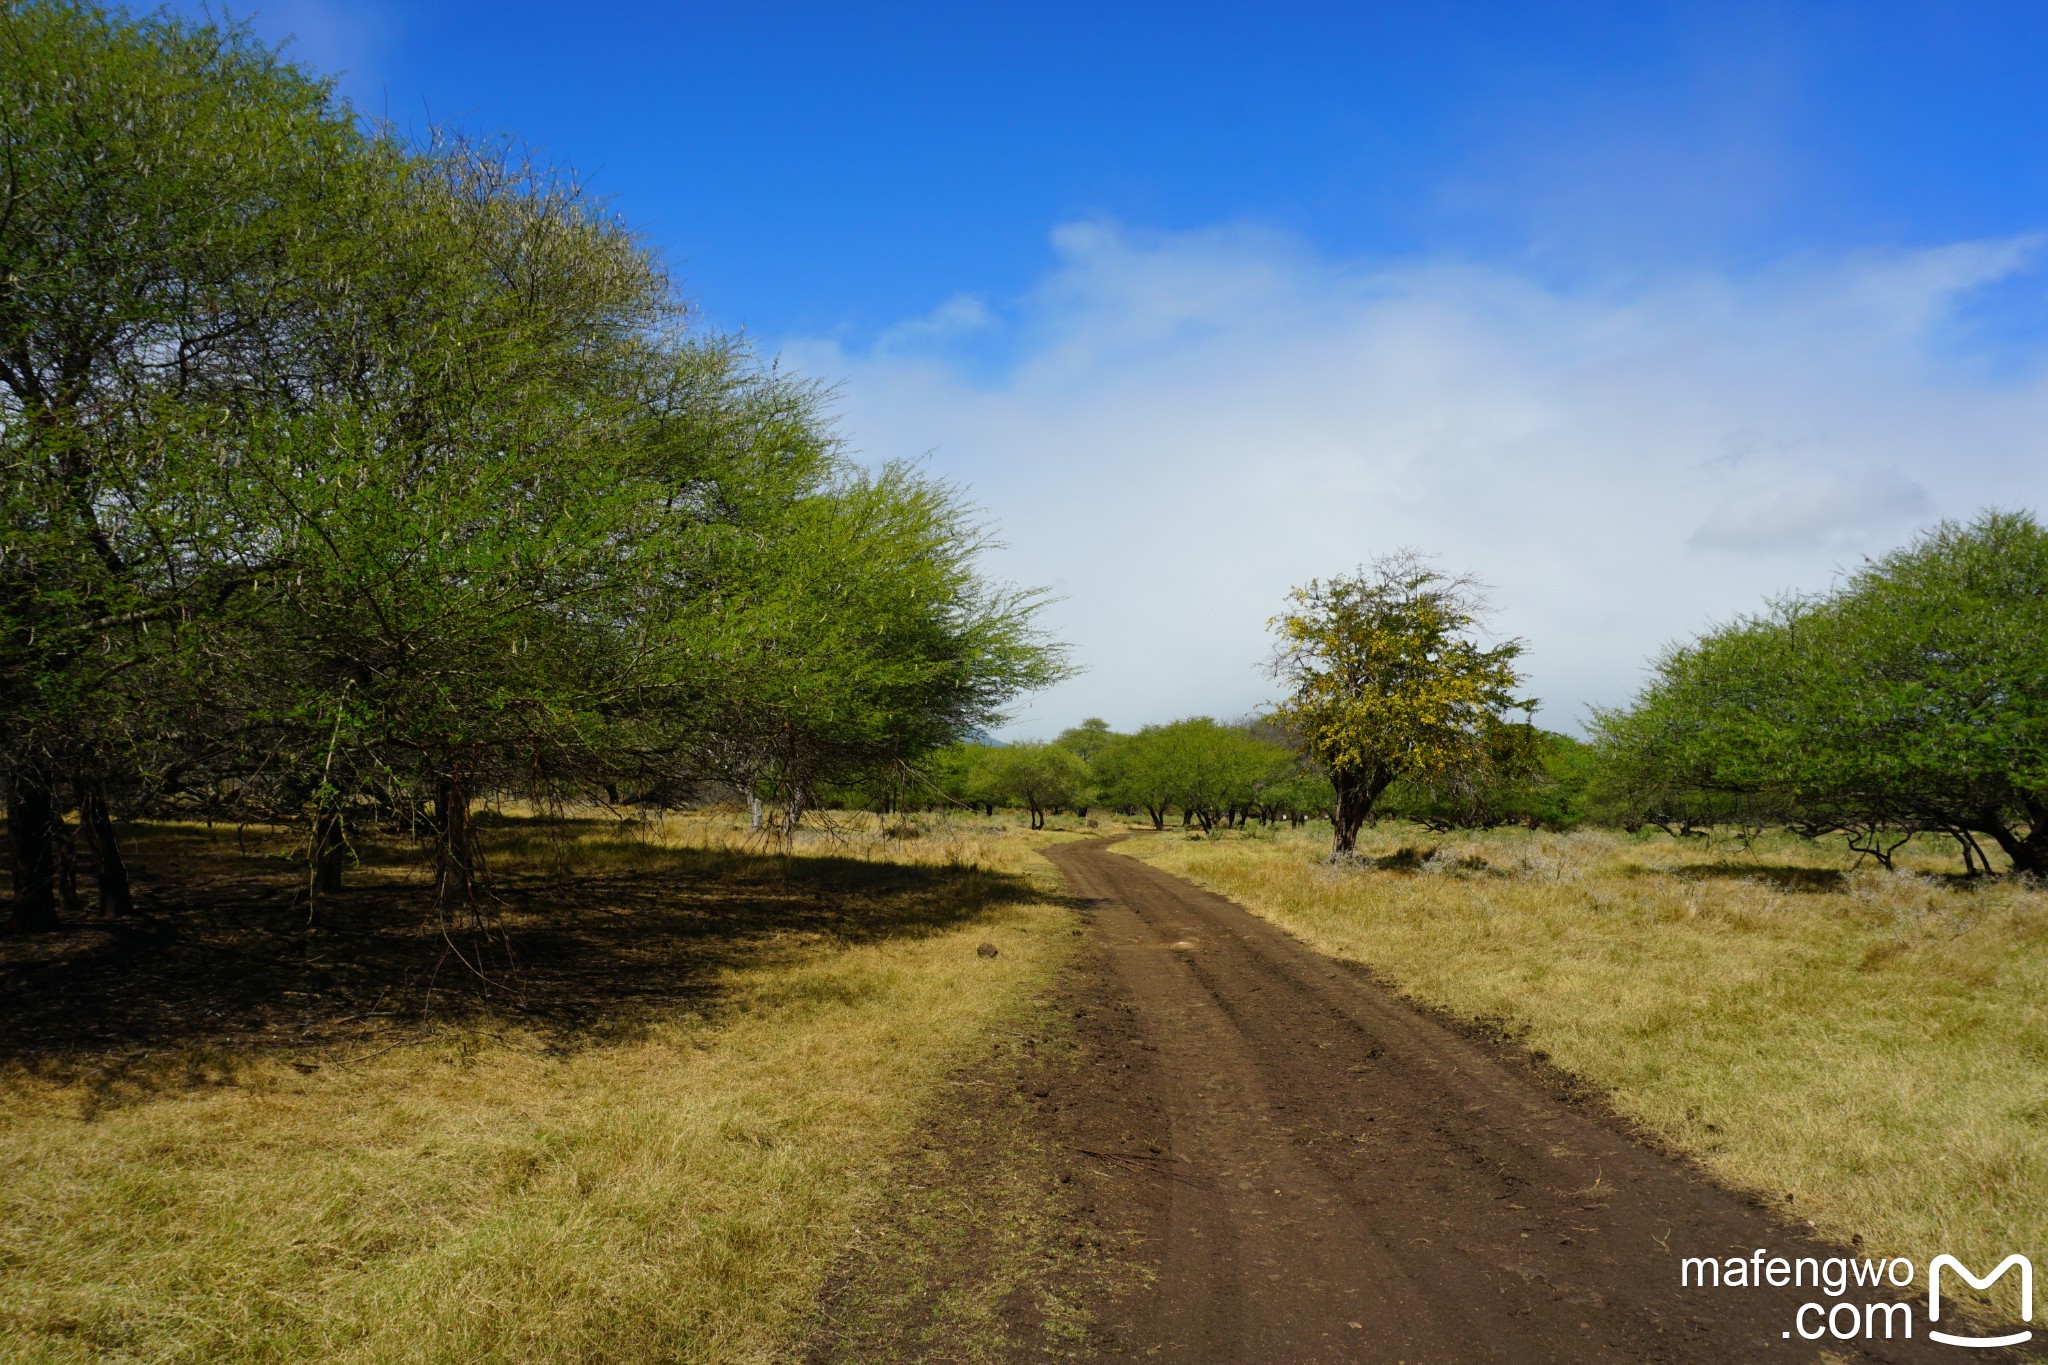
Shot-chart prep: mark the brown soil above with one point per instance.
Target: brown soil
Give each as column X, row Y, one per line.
column 1000, row 1234
column 1318, row 1170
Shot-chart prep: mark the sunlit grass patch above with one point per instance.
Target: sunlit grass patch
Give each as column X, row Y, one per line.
column 1869, row 1043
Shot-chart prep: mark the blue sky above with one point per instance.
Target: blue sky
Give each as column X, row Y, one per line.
column 825, row 167
column 1642, row 311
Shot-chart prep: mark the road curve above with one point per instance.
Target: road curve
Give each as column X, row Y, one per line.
column 1346, row 1178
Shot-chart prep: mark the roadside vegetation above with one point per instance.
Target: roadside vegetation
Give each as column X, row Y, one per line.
column 1861, row 1047
column 1783, row 909
column 654, row 1144
column 352, row 480
column 386, row 552
column 1906, row 700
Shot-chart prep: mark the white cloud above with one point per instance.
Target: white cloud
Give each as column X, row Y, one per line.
column 959, row 316
column 1819, row 506
column 1185, row 425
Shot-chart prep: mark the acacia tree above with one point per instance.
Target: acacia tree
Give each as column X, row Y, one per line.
column 347, row 477
column 454, row 508
column 1038, row 776
column 955, row 775
column 164, row 191
column 1139, row 771
column 1215, row 771
column 1389, row 681
column 1253, row 763
column 844, row 639
column 1296, row 798
column 1909, row 699
column 1088, row 739
column 1208, row 771
column 623, row 555
column 1550, row 793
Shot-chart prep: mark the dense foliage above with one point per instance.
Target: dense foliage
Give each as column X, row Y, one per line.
column 1912, row 698
column 348, row 479
column 1389, row 682
column 1209, row 772
column 1554, row 792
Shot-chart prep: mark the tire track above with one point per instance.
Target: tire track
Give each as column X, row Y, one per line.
column 1360, row 1182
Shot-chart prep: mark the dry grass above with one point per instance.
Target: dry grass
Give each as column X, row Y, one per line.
column 1871, row 1044
column 505, row 1187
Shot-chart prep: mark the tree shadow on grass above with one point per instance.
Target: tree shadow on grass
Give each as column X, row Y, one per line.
column 218, row 966
column 1782, row 876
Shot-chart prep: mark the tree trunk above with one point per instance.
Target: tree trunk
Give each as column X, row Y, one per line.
column 2029, row 855
column 1355, row 797
column 1037, row 818
column 65, row 846
column 2024, row 860
column 116, row 896
column 754, row 810
column 330, row 850
column 30, row 814
column 1158, row 814
column 2033, row 861
column 1974, row 859
column 455, row 843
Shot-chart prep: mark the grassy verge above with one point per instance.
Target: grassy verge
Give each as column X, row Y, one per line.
column 977, row 1258
column 1869, row 1046
column 661, row 1164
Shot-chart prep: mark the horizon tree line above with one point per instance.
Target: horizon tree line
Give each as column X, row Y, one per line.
column 1910, row 699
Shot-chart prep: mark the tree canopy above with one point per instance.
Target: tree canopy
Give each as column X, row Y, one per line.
column 1389, row 681
column 1208, row 771
column 1037, row 775
column 350, row 478
column 1912, row 697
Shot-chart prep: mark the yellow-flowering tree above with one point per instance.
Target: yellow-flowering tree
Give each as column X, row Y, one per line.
column 1390, row 681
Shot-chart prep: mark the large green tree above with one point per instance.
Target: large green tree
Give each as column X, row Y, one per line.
column 350, row 479
column 1039, row 777
column 164, row 202
column 841, row 638
column 470, row 506
column 1551, row 793
column 1389, row 680
column 1207, row 771
column 1140, row 771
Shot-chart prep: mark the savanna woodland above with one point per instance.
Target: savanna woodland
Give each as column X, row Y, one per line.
column 349, row 480
column 510, row 861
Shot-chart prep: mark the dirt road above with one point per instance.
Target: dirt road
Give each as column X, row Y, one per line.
column 1321, row 1171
